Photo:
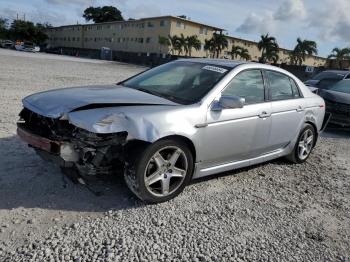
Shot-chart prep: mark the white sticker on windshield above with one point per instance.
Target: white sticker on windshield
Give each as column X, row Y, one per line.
column 215, row 69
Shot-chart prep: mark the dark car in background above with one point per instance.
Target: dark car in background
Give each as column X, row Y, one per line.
column 337, row 98
column 326, row 79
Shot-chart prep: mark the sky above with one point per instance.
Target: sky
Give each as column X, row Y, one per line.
column 325, row 21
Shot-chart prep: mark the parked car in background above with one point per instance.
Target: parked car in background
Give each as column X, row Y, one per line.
column 7, row 44
column 27, row 47
column 337, row 98
column 326, row 79
column 182, row 120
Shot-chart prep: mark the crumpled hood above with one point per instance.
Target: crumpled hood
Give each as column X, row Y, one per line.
column 57, row 102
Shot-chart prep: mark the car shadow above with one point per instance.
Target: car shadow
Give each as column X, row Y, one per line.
column 336, row 132
column 30, row 182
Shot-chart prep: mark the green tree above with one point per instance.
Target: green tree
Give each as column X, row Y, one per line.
column 103, row 14
column 340, row 55
column 245, row 54
column 163, row 42
column 268, row 47
column 175, row 44
column 240, row 52
column 192, row 42
column 209, row 47
column 3, row 28
column 303, row 48
column 218, row 43
column 26, row 30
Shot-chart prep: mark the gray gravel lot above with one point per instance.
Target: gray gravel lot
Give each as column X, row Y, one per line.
column 271, row 212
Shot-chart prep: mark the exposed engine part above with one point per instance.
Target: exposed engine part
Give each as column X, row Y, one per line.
column 92, row 154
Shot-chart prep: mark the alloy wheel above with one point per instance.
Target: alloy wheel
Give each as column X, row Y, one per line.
column 166, row 171
column 305, row 145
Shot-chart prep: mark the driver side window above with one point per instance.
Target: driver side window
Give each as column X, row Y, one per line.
column 248, row 84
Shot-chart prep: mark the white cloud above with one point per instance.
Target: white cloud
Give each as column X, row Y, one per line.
column 142, row 11
column 290, row 9
column 65, row 2
column 332, row 20
column 257, row 24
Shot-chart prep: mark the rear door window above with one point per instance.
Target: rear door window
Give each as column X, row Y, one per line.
column 280, row 86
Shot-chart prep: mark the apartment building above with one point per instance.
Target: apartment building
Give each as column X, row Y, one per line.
column 141, row 36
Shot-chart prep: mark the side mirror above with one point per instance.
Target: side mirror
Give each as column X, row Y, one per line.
column 228, row 102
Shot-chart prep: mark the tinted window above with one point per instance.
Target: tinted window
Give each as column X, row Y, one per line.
column 247, row 84
column 181, row 82
column 348, row 76
column 280, row 86
column 342, row 86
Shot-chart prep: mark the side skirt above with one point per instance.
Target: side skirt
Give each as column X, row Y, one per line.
column 199, row 173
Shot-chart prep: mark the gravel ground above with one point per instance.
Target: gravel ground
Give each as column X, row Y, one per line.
column 270, row 212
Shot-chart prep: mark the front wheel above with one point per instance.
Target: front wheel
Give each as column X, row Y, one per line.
column 160, row 171
column 304, row 145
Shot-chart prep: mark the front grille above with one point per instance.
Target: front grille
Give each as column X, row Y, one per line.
column 44, row 126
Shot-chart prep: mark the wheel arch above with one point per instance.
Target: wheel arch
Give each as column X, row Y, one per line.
column 315, row 128
column 187, row 141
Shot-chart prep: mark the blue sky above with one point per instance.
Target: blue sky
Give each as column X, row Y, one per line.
column 325, row 21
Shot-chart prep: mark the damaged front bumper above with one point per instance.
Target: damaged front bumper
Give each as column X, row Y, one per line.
column 72, row 147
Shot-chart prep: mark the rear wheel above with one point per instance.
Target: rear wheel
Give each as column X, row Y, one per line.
column 160, row 171
column 304, row 145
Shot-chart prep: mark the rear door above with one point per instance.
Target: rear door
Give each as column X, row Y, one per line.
column 287, row 110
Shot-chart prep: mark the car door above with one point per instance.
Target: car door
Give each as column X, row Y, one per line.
column 287, row 111
column 241, row 133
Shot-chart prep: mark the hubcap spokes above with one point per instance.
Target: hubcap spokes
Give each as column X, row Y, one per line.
column 166, row 171
column 305, row 144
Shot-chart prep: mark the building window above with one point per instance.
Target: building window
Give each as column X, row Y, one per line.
column 140, row 40
column 150, row 24
column 148, row 40
column 180, row 25
column 73, row 38
column 203, row 31
column 163, row 23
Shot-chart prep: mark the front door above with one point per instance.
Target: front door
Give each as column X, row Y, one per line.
column 241, row 133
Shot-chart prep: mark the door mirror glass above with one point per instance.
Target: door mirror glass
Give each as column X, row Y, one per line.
column 228, row 102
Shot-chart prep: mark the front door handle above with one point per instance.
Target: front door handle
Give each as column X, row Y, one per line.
column 264, row 114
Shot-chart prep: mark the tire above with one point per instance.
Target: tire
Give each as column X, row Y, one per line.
column 160, row 171
column 305, row 143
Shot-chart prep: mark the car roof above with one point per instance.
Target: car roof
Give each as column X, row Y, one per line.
column 218, row 62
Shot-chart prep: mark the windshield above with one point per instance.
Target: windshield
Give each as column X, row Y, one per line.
column 342, row 86
column 181, row 82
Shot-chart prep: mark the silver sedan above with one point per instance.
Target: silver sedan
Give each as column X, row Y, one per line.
column 180, row 121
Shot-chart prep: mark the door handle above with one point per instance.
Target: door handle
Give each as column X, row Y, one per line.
column 264, row 114
column 300, row 109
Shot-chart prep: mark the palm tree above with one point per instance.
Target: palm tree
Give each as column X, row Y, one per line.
column 209, row 47
column 339, row 55
column 245, row 54
column 175, row 43
column 192, row 42
column 163, row 42
column 235, row 52
column 241, row 52
column 268, row 47
column 182, row 45
column 303, row 48
column 219, row 42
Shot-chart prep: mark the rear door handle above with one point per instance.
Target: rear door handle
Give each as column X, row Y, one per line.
column 300, row 109
column 264, row 114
